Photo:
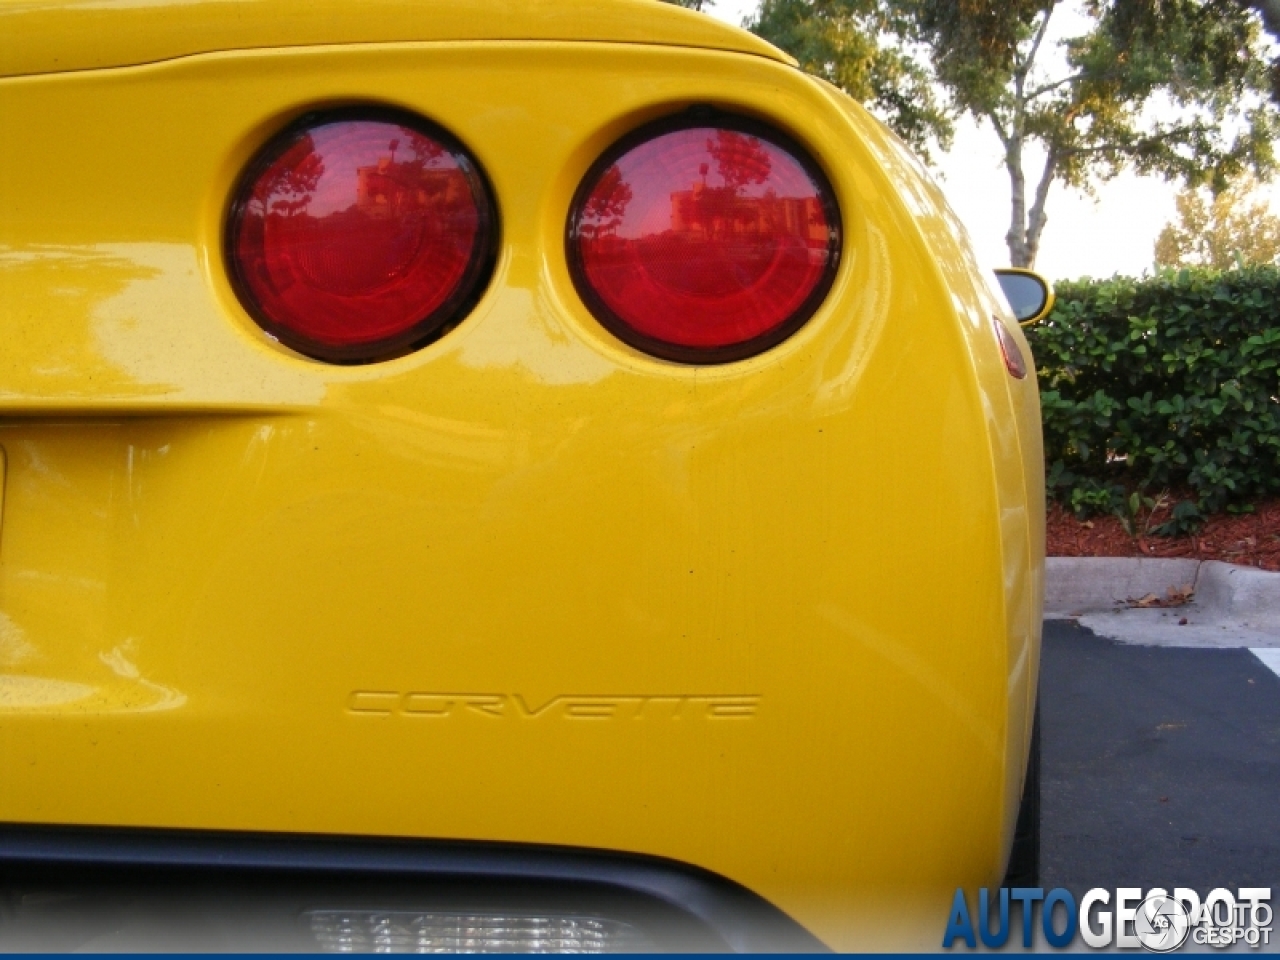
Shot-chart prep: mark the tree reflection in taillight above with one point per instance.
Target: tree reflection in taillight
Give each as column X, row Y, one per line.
column 704, row 240
column 357, row 235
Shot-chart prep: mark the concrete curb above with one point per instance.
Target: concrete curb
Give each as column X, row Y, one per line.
column 1231, row 606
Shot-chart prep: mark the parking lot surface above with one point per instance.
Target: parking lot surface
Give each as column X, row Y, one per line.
column 1161, row 765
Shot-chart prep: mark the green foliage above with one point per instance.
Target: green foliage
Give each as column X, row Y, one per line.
column 1178, row 88
column 1235, row 227
column 854, row 45
column 1162, row 387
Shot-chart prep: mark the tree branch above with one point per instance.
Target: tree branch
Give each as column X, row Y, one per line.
column 1025, row 66
column 999, row 127
column 1048, row 87
column 1063, row 152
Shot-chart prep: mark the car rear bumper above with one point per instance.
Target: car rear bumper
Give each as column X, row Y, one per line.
column 69, row 888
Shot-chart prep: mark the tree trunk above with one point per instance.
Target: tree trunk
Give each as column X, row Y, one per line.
column 1020, row 253
column 1023, row 238
column 1037, row 218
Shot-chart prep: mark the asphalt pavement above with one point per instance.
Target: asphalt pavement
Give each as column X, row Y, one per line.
column 1161, row 765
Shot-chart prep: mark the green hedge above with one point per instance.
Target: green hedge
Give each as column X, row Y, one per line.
column 1162, row 389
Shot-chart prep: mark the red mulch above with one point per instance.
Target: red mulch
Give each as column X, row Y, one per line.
column 1252, row 539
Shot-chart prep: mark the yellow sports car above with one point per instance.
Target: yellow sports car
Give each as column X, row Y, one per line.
column 495, row 474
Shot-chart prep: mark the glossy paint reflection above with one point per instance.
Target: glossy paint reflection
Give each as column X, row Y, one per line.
column 128, row 326
column 60, row 645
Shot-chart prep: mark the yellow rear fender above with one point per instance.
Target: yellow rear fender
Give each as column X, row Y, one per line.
column 777, row 619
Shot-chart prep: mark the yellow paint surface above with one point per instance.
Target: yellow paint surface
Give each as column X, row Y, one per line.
column 778, row 618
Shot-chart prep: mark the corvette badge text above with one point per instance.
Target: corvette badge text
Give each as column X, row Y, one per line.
column 1156, row 920
column 424, row 704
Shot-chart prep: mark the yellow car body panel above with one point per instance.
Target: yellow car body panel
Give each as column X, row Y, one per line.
column 58, row 36
column 778, row 619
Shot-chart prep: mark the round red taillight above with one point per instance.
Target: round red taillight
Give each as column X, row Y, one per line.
column 704, row 239
column 357, row 235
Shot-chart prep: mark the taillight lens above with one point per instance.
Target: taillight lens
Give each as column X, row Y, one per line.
column 704, row 240
column 1010, row 352
column 357, row 235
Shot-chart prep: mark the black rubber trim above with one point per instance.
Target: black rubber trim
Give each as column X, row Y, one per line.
column 746, row 922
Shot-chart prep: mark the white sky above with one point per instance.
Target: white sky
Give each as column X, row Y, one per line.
column 1084, row 237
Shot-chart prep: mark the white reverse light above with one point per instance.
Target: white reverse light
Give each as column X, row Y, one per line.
column 412, row 931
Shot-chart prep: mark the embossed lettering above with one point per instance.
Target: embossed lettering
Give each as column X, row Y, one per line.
column 376, row 702
column 654, row 707
column 417, row 704
column 523, row 708
column 728, row 707
column 488, row 704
